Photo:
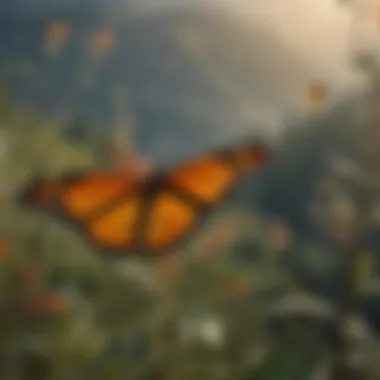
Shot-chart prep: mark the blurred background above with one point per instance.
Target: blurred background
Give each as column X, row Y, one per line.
column 282, row 282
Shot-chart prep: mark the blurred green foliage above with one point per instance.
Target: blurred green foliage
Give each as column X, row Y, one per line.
column 66, row 313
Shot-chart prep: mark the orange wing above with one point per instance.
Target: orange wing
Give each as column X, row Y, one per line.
column 148, row 216
column 104, row 206
column 193, row 189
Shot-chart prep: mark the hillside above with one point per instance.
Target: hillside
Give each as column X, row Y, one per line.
column 189, row 75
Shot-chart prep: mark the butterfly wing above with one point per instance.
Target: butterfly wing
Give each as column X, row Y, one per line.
column 189, row 192
column 103, row 206
column 150, row 216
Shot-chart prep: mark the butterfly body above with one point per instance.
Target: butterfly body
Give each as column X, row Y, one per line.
column 124, row 214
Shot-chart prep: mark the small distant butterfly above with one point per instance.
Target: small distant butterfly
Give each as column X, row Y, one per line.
column 317, row 94
column 152, row 215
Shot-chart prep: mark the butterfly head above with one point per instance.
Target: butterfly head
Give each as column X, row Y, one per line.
column 40, row 193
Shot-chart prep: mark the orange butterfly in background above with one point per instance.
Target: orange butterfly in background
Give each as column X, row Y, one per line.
column 317, row 94
column 56, row 37
column 150, row 216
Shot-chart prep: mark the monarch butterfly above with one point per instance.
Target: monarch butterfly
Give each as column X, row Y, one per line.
column 102, row 41
column 316, row 95
column 147, row 216
column 57, row 35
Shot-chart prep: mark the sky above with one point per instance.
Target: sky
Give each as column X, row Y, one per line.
column 320, row 36
column 322, row 33
column 315, row 29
